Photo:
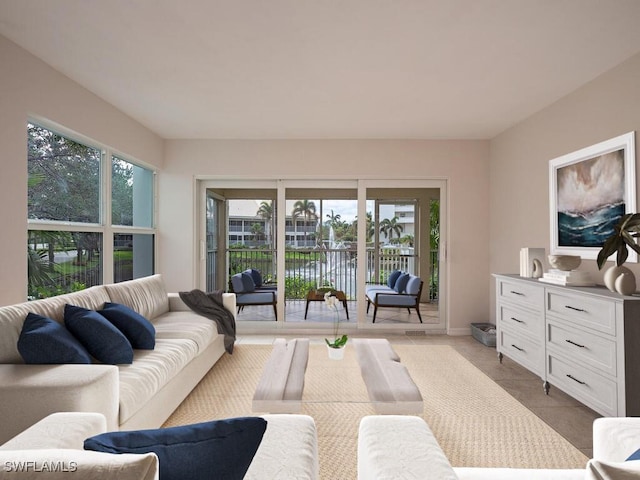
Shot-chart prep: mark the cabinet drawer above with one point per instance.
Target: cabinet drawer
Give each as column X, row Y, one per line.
column 582, row 347
column 526, row 293
column 592, row 389
column 585, row 311
column 526, row 322
column 527, row 353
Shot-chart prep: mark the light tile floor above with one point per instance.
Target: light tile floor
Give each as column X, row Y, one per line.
column 567, row 416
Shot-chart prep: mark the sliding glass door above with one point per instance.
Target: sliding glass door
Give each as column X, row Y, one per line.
column 307, row 236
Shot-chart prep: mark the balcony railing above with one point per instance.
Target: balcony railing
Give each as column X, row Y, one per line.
column 336, row 268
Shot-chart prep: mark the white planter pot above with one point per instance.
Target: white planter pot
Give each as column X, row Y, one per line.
column 626, row 284
column 335, row 353
column 612, row 273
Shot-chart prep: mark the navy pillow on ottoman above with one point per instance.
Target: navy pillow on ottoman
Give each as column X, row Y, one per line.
column 103, row 340
column 139, row 331
column 221, row 449
column 45, row 341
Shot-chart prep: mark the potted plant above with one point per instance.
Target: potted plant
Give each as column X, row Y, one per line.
column 335, row 347
column 619, row 278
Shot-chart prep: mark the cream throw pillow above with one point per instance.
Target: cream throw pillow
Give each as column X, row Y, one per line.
column 598, row 470
column 62, row 464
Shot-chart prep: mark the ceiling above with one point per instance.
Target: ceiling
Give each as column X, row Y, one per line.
column 327, row 68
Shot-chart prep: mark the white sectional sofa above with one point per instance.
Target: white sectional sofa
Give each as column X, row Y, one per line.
column 140, row 395
column 289, row 449
column 403, row 447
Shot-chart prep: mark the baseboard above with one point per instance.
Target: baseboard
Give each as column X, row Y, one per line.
column 459, row 331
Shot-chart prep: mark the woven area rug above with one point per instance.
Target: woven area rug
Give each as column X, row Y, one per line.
column 476, row 422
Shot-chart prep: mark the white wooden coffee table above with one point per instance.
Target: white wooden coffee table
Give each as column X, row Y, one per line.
column 383, row 381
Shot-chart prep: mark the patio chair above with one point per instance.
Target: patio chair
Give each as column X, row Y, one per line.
column 243, row 286
column 402, row 291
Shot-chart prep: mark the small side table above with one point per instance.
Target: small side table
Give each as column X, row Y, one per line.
column 318, row 296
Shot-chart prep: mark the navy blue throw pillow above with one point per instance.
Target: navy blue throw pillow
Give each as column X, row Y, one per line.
column 100, row 337
column 393, row 278
column 45, row 341
column 634, row 456
column 401, row 283
column 221, row 449
column 248, row 285
column 139, row 331
column 255, row 275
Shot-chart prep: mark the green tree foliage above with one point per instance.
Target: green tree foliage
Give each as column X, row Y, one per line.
column 70, row 178
column 434, row 227
column 122, row 192
column 333, row 219
column 305, row 209
column 390, row 227
column 266, row 211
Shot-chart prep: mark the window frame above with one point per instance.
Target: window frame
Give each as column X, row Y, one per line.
column 105, row 226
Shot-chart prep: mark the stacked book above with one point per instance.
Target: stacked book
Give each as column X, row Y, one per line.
column 573, row 278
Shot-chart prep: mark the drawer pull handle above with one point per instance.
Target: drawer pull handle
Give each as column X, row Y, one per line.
column 516, row 320
column 576, row 380
column 517, row 347
column 574, row 308
column 574, row 343
column 517, row 293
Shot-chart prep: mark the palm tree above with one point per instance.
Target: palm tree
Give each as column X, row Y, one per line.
column 334, row 219
column 389, row 227
column 266, row 211
column 257, row 231
column 305, row 209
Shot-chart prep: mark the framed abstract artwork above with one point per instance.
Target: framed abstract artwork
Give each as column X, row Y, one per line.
column 589, row 191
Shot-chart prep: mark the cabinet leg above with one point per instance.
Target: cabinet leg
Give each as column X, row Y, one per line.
column 546, row 386
column 500, row 357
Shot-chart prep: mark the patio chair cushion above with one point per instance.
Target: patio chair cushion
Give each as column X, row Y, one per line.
column 256, row 298
column 236, row 283
column 413, row 285
column 395, row 300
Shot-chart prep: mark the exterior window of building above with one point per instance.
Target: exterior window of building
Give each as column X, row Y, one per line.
column 69, row 208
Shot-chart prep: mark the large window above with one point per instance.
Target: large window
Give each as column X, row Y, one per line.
column 71, row 194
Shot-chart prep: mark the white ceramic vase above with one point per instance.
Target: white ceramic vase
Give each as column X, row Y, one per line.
column 537, row 269
column 626, row 284
column 336, row 353
column 612, row 273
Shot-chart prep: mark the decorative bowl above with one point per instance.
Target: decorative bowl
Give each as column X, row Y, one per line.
column 565, row 262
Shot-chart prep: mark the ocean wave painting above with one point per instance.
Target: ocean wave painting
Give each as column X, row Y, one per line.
column 589, row 229
column 590, row 200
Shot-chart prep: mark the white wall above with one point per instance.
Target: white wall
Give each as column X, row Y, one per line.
column 464, row 163
column 519, row 202
column 28, row 87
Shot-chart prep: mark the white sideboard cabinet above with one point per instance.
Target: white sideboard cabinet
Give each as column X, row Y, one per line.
column 584, row 341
